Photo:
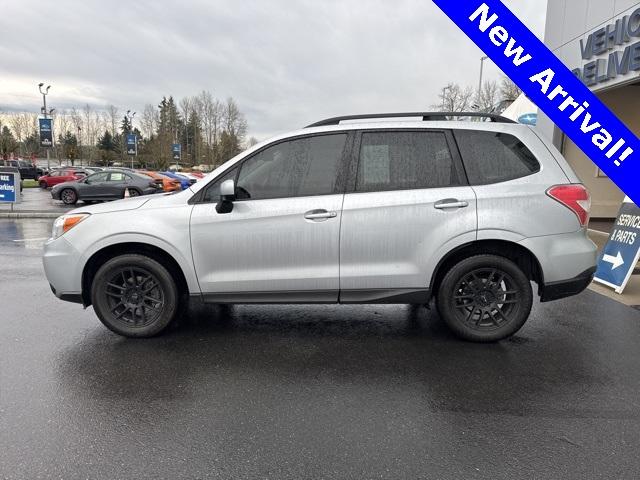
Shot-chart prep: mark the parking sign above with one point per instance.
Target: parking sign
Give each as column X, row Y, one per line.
column 620, row 254
column 9, row 187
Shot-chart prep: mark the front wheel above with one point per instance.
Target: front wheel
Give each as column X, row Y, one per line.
column 43, row 184
column 134, row 296
column 485, row 298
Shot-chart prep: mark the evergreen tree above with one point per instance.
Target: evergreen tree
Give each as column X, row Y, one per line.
column 8, row 144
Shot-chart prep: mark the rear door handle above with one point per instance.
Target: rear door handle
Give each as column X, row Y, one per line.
column 319, row 215
column 450, row 203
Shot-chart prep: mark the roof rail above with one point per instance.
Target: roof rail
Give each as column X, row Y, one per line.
column 426, row 117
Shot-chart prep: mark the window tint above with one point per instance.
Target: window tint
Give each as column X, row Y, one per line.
column 491, row 157
column 297, row 168
column 212, row 194
column 98, row 177
column 404, row 160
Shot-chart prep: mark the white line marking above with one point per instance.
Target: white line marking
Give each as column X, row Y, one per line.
column 31, row 239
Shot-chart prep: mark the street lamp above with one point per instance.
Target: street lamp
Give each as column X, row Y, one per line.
column 482, row 59
column 444, row 96
column 44, row 112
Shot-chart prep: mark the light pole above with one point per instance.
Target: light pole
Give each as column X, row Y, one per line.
column 79, row 140
column 44, row 112
column 482, row 59
column 130, row 118
column 444, row 96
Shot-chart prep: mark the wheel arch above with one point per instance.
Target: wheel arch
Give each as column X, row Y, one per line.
column 521, row 256
column 98, row 259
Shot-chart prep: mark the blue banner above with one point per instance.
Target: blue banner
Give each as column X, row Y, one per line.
column 9, row 187
column 176, row 148
column 552, row 87
column 132, row 144
column 46, row 132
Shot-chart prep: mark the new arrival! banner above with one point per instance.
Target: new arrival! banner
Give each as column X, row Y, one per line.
column 552, row 87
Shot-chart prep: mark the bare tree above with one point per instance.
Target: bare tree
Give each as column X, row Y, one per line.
column 454, row 98
column 488, row 98
column 509, row 91
column 112, row 112
column 150, row 119
column 234, row 121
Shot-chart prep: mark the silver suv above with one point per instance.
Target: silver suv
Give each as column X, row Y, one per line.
column 359, row 209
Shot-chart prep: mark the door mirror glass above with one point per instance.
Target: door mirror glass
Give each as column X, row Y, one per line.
column 227, row 196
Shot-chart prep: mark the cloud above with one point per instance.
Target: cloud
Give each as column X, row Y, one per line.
column 287, row 63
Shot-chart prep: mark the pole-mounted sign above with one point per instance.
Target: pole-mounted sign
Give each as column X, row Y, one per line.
column 132, row 144
column 553, row 87
column 46, row 132
column 622, row 250
column 176, row 149
column 9, row 187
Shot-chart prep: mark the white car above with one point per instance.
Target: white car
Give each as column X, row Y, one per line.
column 468, row 213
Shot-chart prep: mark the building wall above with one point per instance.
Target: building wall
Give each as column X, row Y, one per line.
column 568, row 22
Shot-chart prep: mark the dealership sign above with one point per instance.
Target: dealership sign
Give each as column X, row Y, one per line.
column 620, row 254
column 132, row 144
column 46, row 132
column 619, row 62
column 176, row 149
column 549, row 84
column 9, row 187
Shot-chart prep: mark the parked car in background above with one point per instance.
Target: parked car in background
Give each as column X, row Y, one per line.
column 184, row 181
column 168, row 184
column 62, row 176
column 27, row 169
column 94, row 169
column 108, row 185
column 190, row 176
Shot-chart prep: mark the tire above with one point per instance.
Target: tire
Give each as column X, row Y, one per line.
column 485, row 298
column 43, row 185
column 134, row 192
column 69, row 196
column 134, row 296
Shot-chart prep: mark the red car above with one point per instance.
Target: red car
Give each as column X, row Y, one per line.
column 61, row 176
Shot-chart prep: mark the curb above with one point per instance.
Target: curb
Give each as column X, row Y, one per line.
column 19, row 214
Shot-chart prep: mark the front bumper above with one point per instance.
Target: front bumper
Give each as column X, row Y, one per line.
column 61, row 267
column 566, row 288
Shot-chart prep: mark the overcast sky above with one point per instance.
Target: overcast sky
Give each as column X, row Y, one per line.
column 286, row 62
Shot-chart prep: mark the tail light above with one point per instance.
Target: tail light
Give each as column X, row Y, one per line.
column 575, row 197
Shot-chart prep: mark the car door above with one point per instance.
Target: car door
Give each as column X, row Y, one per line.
column 407, row 204
column 281, row 240
column 94, row 186
column 117, row 182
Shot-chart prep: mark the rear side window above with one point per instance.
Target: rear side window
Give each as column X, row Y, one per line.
column 404, row 160
column 492, row 157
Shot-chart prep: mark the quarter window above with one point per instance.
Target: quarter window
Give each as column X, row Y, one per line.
column 296, row 168
column 404, row 160
column 492, row 157
column 212, row 193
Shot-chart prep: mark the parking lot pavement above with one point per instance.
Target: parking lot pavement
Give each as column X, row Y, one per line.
column 36, row 200
column 310, row 391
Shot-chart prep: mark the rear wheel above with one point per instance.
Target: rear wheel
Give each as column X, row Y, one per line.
column 69, row 196
column 485, row 298
column 135, row 296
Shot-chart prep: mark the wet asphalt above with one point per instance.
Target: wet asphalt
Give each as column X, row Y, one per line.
column 310, row 391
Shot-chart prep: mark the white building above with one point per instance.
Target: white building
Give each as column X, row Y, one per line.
column 600, row 41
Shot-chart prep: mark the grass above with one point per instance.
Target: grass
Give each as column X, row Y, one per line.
column 30, row 184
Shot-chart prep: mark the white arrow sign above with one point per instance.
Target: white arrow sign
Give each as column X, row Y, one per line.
column 614, row 261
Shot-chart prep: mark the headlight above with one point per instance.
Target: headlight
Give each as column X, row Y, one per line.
column 65, row 223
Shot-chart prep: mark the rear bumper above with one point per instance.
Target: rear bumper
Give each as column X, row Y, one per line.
column 566, row 288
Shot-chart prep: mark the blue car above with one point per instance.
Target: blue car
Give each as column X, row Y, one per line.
column 184, row 181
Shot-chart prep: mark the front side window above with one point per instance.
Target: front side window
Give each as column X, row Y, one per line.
column 296, row 168
column 492, row 157
column 404, row 160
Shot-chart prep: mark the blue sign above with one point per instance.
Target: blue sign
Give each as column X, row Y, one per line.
column 9, row 187
column 176, row 148
column 132, row 144
column 620, row 254
column 552, row 87
column 46, row 132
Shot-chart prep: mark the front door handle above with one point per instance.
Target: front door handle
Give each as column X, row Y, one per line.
column 319, row 214
column 450, row 203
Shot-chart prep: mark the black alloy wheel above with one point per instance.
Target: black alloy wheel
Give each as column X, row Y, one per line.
column 134, row 295
column 485, row 298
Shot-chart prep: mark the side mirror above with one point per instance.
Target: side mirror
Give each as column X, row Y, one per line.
column 227, row 196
